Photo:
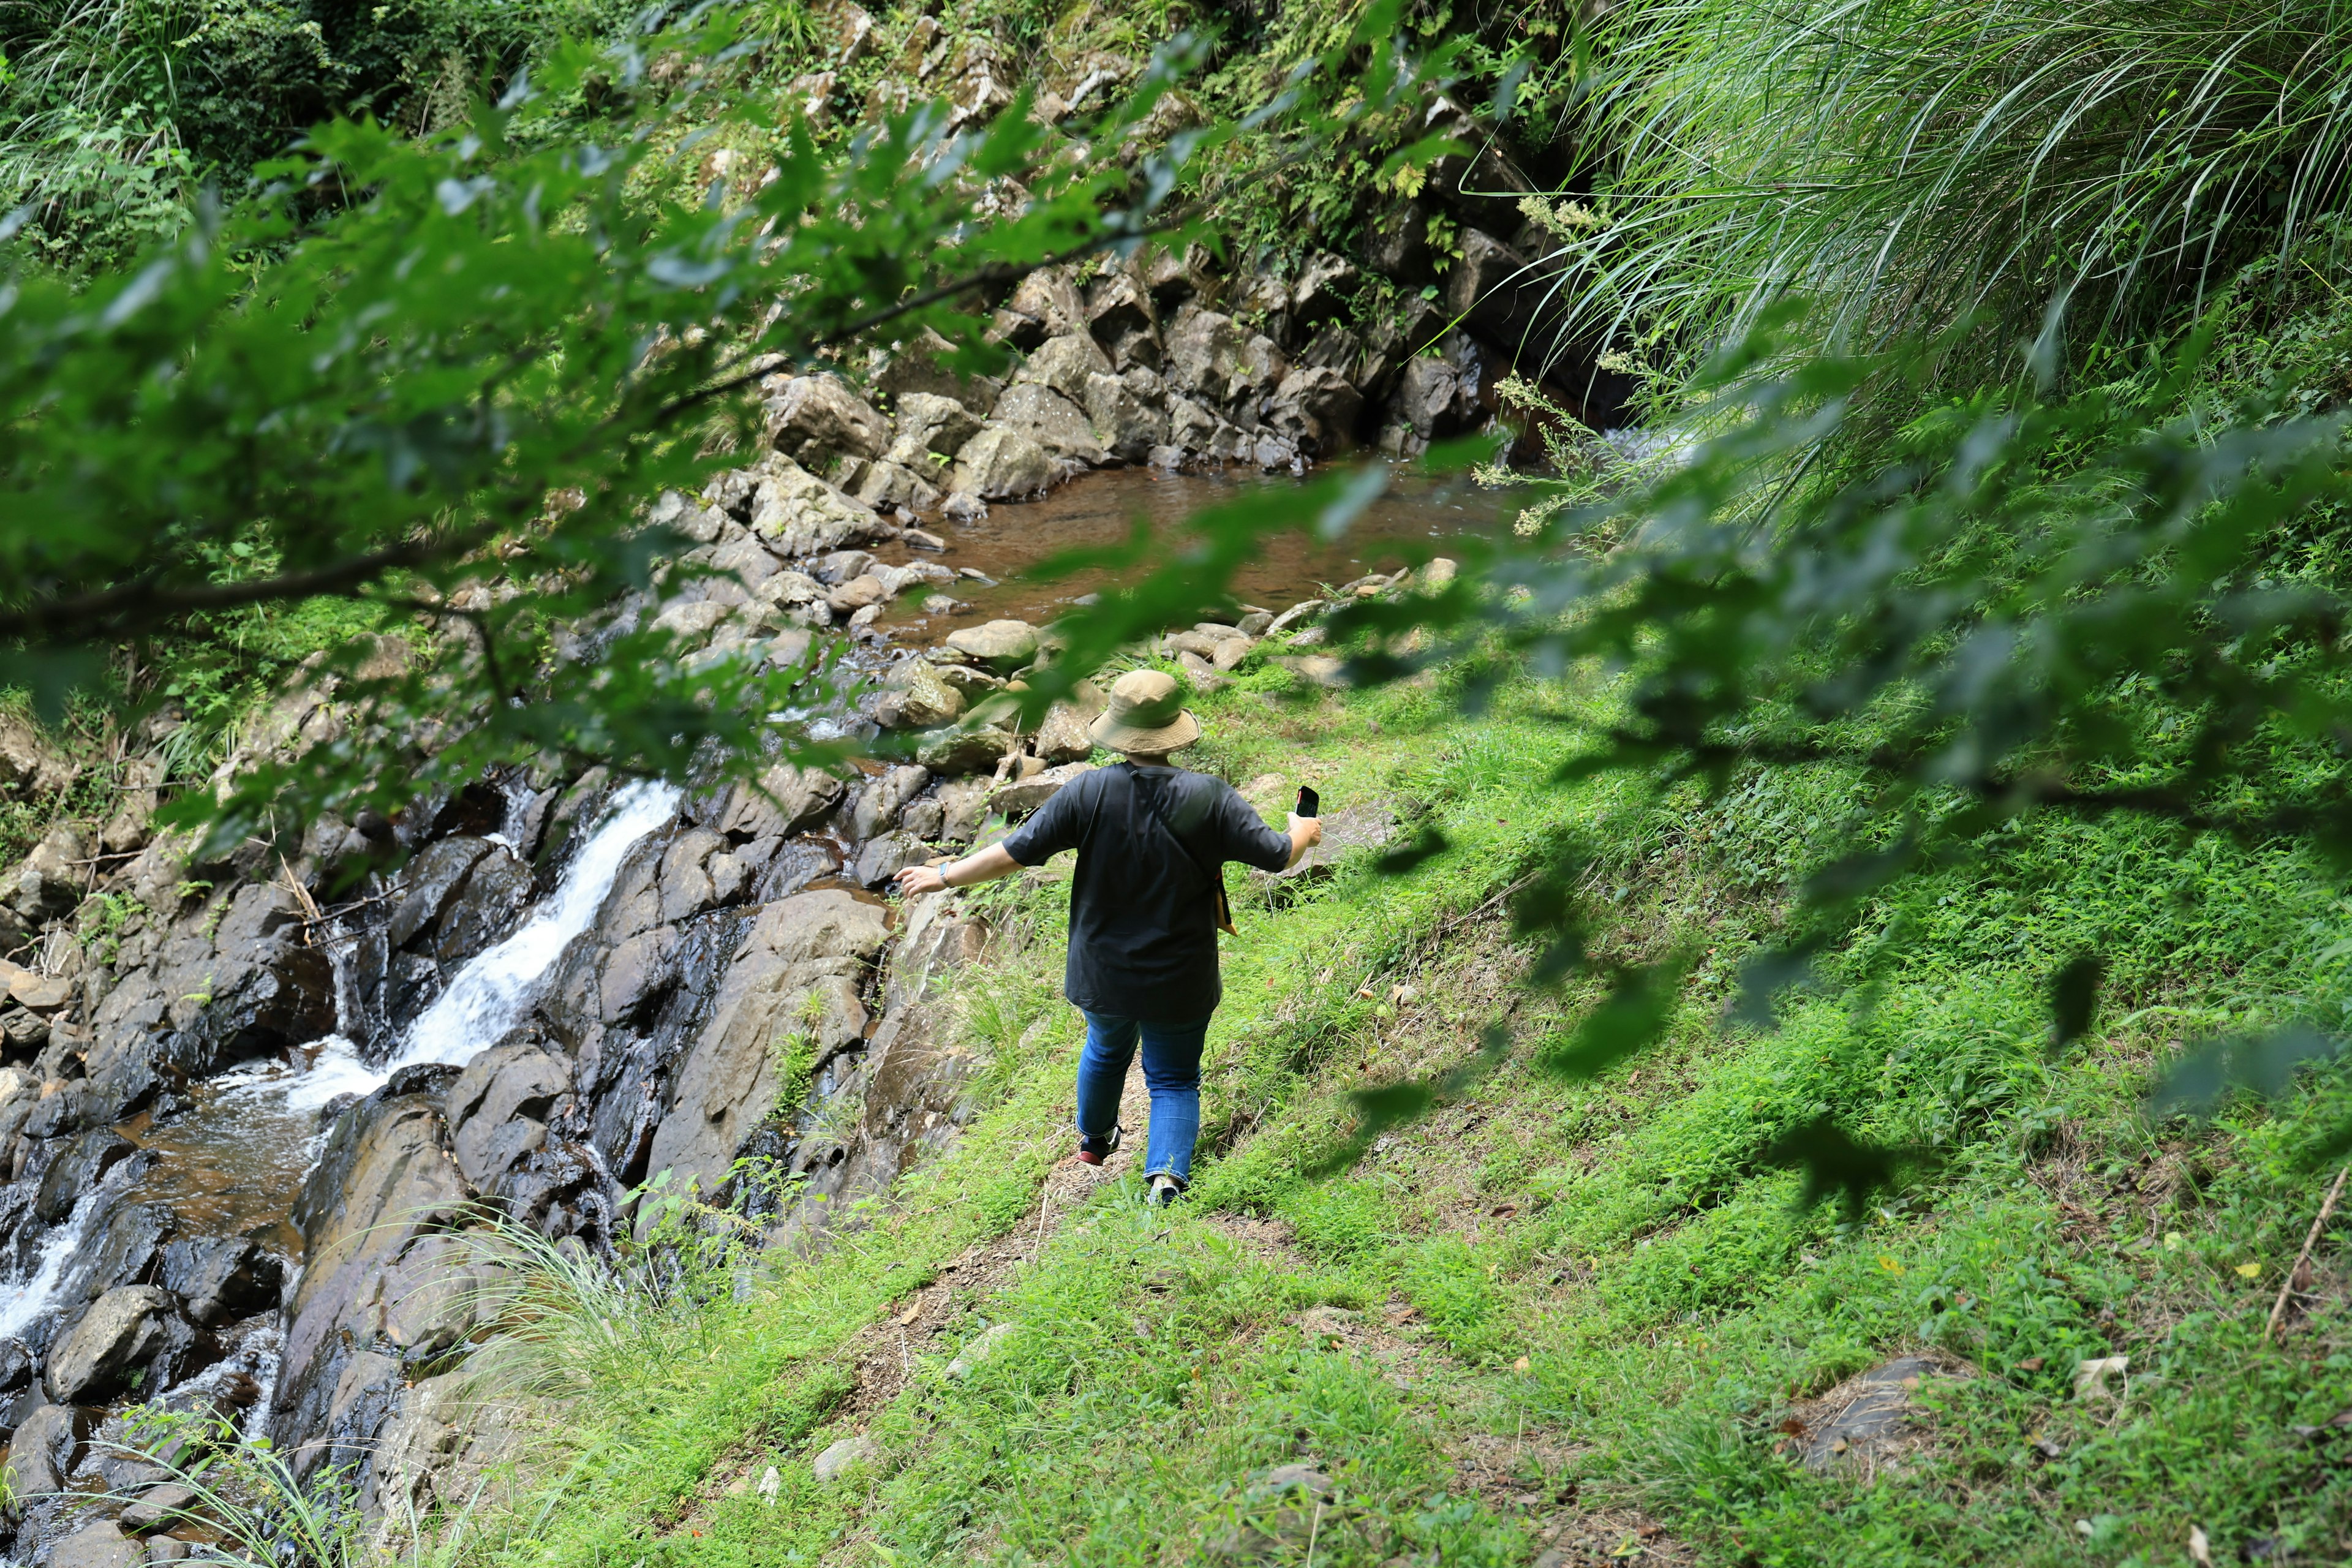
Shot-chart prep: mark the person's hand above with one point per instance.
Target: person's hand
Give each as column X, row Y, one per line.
column 1313, row 825
column 919, row 879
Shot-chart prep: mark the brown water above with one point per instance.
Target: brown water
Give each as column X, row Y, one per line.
column 1100, row 509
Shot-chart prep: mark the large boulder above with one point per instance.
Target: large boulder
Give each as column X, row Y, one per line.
column 124, row 1330
column 29, row 765
column 782, row 801
column 930, row 426
column 1052, row 420
column 1316, row 407
column 1063, row 364
column 1127, row 424
column 799, row 514
column 498, row 1107
column 884, row 796
column 45, row 1447
column 99, row 1543
column 955, row 750
column 1001, row 644
column 926, row 366
column 218, row 1277
column 381, row 1268
column 918, row 699
column 1119, row 304
column 802, row 968
column 816, row 417
column 1023, row 796
column 1002, row 462
column 1213, row 356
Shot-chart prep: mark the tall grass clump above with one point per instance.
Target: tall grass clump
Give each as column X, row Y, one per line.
column 2073, row 175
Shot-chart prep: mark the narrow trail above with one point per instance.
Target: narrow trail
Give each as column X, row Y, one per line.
column 884, row 1356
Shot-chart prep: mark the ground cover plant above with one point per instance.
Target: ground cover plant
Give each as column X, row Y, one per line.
column 1552, row 1314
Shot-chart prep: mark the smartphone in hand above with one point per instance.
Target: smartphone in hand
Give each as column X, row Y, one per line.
column 1309, row 803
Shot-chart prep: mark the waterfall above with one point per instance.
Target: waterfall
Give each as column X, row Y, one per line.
column 490, row 993
column 21, row 1304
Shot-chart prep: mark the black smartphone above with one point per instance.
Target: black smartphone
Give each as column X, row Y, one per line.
column 1309, row 803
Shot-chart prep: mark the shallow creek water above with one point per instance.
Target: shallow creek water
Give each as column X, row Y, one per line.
column 233, row 1161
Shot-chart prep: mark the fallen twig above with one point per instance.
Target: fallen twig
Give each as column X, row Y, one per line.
column 2286, row 1290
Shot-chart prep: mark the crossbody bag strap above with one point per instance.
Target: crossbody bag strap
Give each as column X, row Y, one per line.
column 1224, row 909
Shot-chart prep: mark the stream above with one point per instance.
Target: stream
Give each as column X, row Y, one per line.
column 228, row 1156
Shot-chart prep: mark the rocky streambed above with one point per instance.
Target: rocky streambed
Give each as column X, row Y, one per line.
column 248, row 1136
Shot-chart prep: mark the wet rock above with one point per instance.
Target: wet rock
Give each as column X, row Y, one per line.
column 1001, row 462
column 686, row 889
column 101, row 1544
column 1026, row 795
column 840, row 1458
column 1002, row 645
column 1063, row 364
column 885, row 856
column 22, row 1030
column 157, row 1506
column 487, row 905
column 218, row 1277
column 1052, row 420
column 818, row 415
column 78, row 1172
column 803, row 957
column 499, row 1106
column 918, row 699
column 963, row 506
column 122, row 1331
column 127, row 1253
column 956, row 750
column 46, row 1446
column 964, row 806
column 1396, row 245
column 370, row 1212
column 879, row 803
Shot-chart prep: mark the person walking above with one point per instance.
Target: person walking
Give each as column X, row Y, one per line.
column 1145, row 908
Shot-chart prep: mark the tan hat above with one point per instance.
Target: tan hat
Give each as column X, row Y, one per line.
column 1146, row 714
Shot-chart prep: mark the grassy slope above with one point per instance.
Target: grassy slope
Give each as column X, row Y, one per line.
column 1569, row 1313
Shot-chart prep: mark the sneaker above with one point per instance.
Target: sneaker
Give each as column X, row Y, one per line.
column 1165, row 1190
column 1095, row 1150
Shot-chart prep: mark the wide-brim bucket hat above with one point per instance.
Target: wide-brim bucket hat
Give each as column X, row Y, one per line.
column 1146, row 713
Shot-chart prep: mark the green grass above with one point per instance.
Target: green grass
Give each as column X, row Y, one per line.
column 1601, row 1289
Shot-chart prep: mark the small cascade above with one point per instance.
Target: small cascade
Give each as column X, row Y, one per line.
column 22, row 1302
column 490, row 994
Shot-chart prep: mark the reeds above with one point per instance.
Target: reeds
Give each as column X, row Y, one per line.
column 2068, row 172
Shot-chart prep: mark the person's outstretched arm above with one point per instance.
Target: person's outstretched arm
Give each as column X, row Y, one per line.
column 981, row 866
column 1306, row 832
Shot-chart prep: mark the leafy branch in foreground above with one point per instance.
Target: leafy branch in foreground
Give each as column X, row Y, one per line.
column 2020, row 606
column 451, row 399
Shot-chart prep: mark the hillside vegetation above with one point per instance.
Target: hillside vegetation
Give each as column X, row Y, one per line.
column 1585, row 1318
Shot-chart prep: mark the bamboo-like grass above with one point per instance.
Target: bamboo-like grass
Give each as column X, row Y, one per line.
column 2069, row 173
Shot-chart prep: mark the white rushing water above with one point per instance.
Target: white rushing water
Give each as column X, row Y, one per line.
column 490, row 993
column 22, row 1302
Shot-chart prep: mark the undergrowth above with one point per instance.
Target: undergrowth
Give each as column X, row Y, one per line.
column 1579, row 1314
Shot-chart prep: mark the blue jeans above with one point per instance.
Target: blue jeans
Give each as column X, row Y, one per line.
column 1171, row 1067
